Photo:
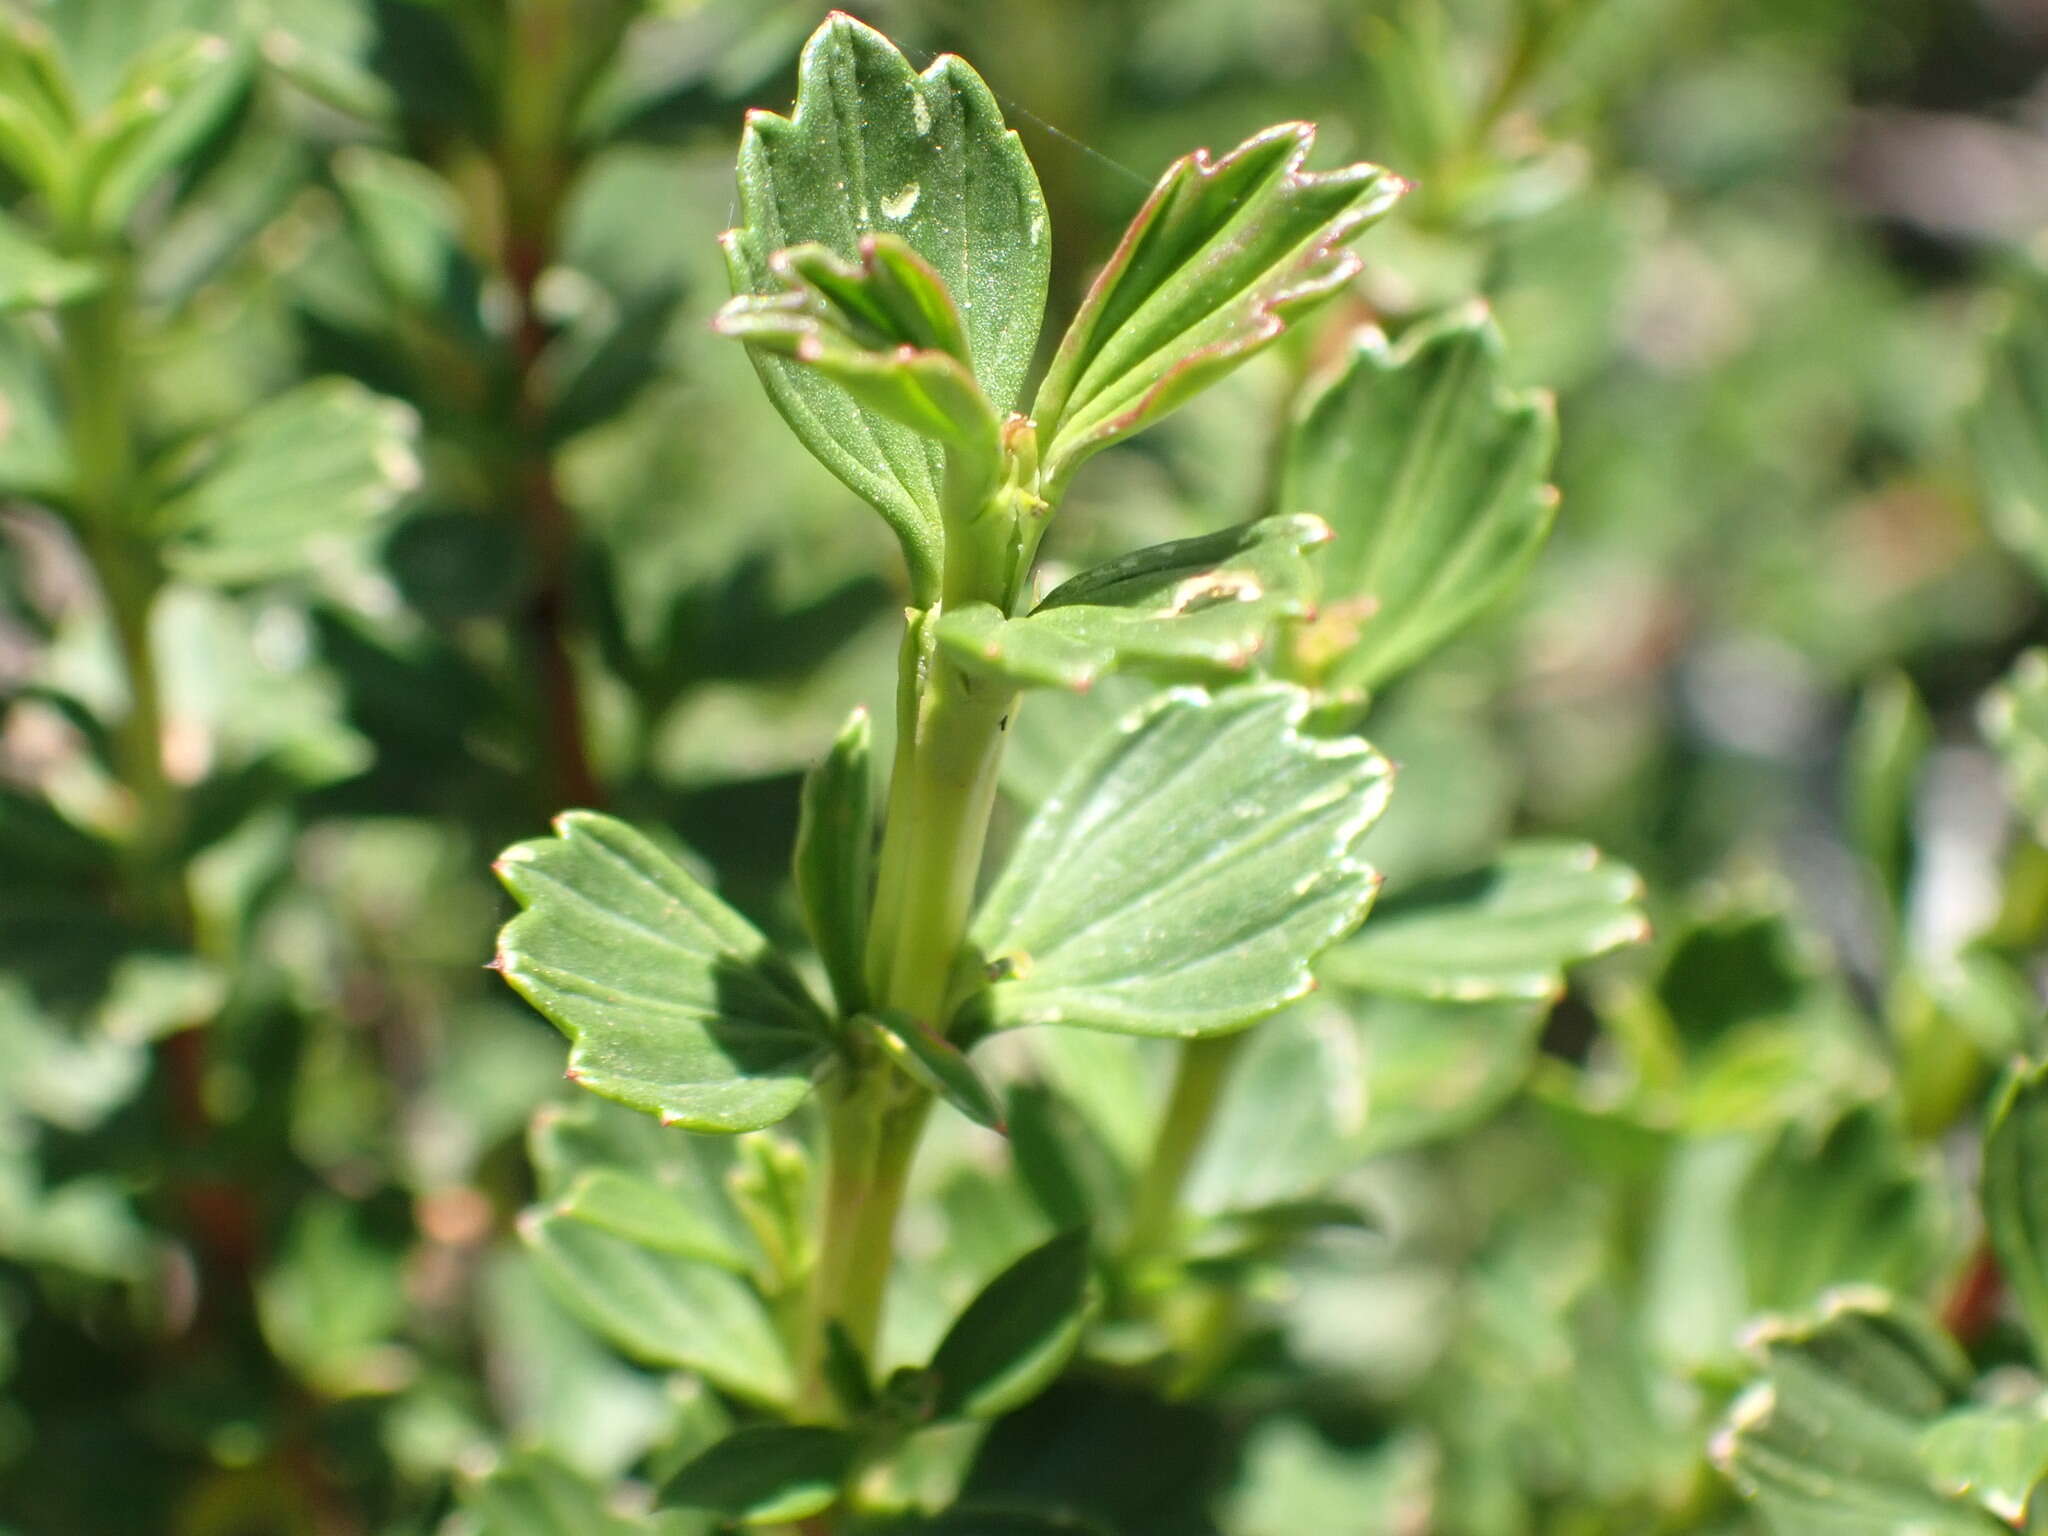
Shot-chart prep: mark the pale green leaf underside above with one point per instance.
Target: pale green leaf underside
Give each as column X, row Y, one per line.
column 1827, row 1442
column 1506, row 931
column 1995, row 1455
column 636, row 1208
column 2008, row 429
column 676, row 1004
column 661, row 1308
column 2015, row 717
column 1186, row 872
column 1221, row 254
column 873, row 146
column 1194, row 610
column 1433, row 476
column 2016, row 1194
column 32, row 276
column 315, row 465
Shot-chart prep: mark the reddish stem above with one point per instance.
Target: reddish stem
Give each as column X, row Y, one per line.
column 551, row 541
column 1972, row 1306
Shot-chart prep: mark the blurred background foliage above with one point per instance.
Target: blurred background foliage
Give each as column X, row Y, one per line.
column 440, row 270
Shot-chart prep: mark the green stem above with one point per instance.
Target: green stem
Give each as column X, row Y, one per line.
column 1198, row 1082
column 948, row 743
column 109, row 506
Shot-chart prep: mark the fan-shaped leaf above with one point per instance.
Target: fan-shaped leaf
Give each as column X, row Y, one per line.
column 676, row 1003
column 1185, row 874
column 874, row 147
column 661, row 1308
column 1221, row 256
column 1506, row 931
column 1433, row 475
column 1827, row 1442
column 316, row 464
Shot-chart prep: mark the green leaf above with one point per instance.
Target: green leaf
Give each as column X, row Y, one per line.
column 2015, row 1193
column 661, row 1308
column 410, row 223
column 332, row 1301
column 876, row 148
column 32, row 276
column 1195, row 609
column 35, row 458
column 1187, row 871
column 532, row 1494
column 1223, row 254
column 1015, row 1337
column 1995, row 1455
column 2015, row 718
column 2008, row 426
column 313, row 466
column 676, row 1004
column 1506, row 931
column 323, row 47
column 1835, row 1203
column 885, row 331
column 766, row 1473
column 835, row 858
column 1888, row 745
column 1433, row 475
column 1827, row 1443
column 173, row 97
column 629, row 1205
column 937, row 1064
column 38, row 109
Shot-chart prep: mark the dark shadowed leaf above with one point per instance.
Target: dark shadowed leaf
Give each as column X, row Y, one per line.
column 1017, row 1334
column 835, row 858
column 766, row 1473
column 937, row 1064
column 2016, row 1193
